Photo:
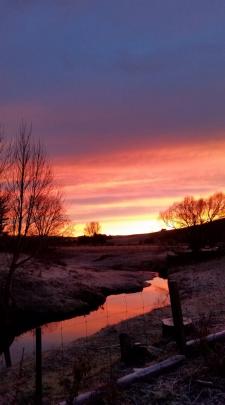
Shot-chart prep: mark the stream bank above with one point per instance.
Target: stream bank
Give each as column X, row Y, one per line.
column 74, row 282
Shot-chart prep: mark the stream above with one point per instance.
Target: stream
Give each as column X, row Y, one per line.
column 116, row 309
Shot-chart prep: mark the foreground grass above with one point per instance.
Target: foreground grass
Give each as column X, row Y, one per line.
column 202, row 289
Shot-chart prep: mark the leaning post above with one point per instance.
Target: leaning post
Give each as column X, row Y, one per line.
column 38, row 366
column 177, row 315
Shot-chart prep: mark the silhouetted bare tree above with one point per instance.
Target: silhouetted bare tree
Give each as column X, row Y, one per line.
column 92, row 228
column 215, row 206
column 49, row 216
column 35, row 209
column 191, row 212
column 30, row 177
column 4, row 197
column 4, row 210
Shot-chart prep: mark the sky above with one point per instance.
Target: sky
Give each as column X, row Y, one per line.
column 127, row 95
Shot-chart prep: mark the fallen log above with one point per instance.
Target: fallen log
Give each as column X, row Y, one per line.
column 82, row 398
column 151, row 371
column 86, row 396
column 205, row 383
column 138, row 375
column 213, row 337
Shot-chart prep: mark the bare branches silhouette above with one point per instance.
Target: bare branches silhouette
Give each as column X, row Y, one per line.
column 92, row 228
column 29, row 203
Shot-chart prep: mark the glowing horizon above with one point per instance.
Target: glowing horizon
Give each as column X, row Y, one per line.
column 127, row 198
column 123, row 227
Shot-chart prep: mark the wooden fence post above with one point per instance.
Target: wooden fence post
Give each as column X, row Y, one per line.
column 38, row 395
column 177, row 316
column 7, row 356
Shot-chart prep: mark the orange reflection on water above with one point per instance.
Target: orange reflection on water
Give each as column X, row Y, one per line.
column 117, row 308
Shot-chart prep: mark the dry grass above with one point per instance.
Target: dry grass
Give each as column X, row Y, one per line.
column 202, row 288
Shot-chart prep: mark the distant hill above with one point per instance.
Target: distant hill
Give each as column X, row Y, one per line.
column 210, row 233
column 206, row 234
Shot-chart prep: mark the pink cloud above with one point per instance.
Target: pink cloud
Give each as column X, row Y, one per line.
column 136, row 183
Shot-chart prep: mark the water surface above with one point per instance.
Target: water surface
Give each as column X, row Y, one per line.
column 116, row 308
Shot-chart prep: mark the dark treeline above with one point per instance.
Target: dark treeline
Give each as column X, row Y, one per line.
column 197, row 237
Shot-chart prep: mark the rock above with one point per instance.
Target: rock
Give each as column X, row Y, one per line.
column 168, row 329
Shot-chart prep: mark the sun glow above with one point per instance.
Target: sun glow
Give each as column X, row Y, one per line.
column 127, row 197
column 124, row 226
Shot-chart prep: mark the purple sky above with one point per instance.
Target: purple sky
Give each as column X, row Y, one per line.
column 108, row 78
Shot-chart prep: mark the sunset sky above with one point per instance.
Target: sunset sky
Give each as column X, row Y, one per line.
column 128, row 96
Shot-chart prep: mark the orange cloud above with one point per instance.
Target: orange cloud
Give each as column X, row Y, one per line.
column 126, row 191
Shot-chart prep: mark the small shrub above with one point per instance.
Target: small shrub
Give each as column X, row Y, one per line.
column 81, row 368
